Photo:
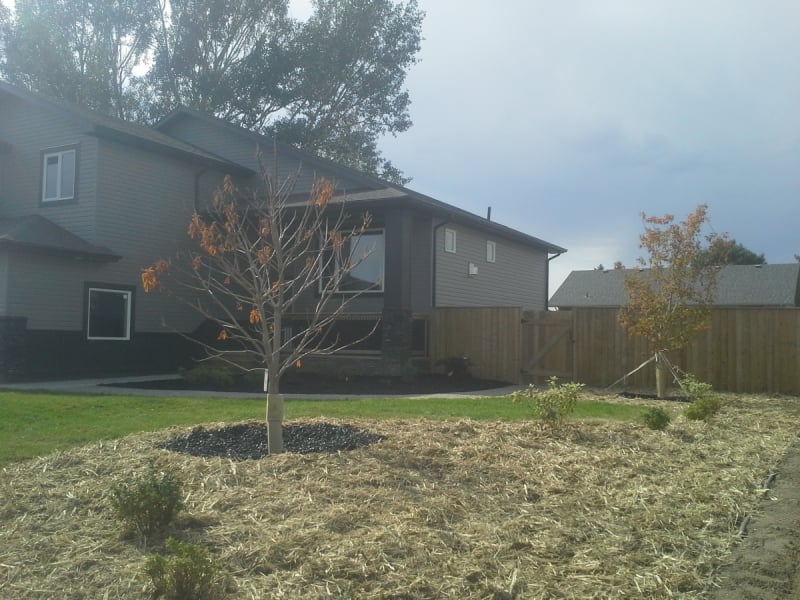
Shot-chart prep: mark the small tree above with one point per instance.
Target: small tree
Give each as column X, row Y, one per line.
column 669, row 301
column 251, row 258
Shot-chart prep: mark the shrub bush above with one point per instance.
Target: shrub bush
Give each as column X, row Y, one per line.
column 459, row 367
column 703, row 408
column 147, row 505
column 705, row 403
column 656, row 419
column 187, row 574
column 220, row 376
column 553, row 405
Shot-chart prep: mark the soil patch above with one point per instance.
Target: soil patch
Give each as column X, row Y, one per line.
column 765, row 565
column 320, row 384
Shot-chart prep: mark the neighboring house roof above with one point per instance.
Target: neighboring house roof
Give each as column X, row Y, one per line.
column 372, row 189
column 738, row 285
column 124, row 131
column 34, row 233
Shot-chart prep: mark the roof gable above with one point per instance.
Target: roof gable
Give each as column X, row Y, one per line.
column 123, row 131
column 368, row 188
column 738, row 285
column 35, row 233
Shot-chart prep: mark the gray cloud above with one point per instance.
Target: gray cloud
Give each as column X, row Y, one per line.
column 571, row 118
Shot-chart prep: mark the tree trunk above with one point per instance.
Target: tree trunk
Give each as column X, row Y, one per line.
column 274, row 414
column 661, row 377
column 275, row 423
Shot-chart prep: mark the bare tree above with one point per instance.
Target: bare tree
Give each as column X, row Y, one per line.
column 252, row 257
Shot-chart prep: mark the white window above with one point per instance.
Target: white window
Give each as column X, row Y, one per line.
column 58, row 176
column 450, row 240
column 108, row 314
column 361, row 263
column 491, row 251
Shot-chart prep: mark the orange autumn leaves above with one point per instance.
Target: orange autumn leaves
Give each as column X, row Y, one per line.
column 150, row 275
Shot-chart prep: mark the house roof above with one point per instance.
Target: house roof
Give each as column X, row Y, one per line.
column 371, row 189
column 35, row 233
column 124, row 131
column 738, row 285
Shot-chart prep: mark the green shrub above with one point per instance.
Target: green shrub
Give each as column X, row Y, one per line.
column 553, row 405
column 186, row 574
column 219, row 376
column 703, row 408
column 656, row 419
column 148, row 504
column 705, row 403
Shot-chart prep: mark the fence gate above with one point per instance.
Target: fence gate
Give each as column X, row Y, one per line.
column 548, row 345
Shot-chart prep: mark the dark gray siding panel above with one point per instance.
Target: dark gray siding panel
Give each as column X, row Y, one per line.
column 421, row 265
column 4, row 284
column 146, row 202
column 47, row 290
column 30, row 130
column 242, row 149
column 517, row 278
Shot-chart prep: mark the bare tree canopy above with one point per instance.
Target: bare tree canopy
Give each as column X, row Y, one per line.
column 252, row 257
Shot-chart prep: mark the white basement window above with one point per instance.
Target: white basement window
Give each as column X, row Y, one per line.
column 108, row 314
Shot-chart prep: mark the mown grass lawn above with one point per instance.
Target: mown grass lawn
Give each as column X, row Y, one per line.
column 36, row 424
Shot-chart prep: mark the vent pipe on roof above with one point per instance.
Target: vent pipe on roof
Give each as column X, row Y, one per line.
column 489, row 213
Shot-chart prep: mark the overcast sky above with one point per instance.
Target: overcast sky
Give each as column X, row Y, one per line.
column 570, row 118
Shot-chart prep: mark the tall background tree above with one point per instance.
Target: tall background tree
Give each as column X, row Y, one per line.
column 83, row 51
column 332, row 85
column 723, row 251
column 669, row 301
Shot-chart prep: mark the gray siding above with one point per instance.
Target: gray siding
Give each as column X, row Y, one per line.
column 240, row 147
column 146, row 201
column 517, row 278
column 421, row 265
column 30, row 130
column 4, row 284
column 47, row 290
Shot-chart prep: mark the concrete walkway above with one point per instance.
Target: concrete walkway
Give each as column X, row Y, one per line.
column 106, row 386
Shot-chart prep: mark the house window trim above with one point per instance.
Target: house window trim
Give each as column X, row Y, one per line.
column 91, row 286
column 491, row 251
column 450, row 234
column 58, row 151
column 372, row 291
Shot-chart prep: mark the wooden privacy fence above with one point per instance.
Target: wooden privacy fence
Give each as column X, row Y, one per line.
column 744, row 350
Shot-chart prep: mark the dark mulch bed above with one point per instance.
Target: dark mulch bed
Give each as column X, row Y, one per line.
column 650, row 396
column 245, row 441
column 357, row 385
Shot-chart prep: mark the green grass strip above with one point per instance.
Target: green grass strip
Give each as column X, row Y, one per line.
column 36, row 424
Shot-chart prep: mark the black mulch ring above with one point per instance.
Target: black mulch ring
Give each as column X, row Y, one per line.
column 644, row 396
column 248, row 441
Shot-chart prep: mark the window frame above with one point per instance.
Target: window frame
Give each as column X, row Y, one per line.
column 123, row 290
column 491, row 251
column 59, row 152
column 373, row 290
column 450, row 235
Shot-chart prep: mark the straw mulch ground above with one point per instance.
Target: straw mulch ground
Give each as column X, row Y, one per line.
column 437, row 510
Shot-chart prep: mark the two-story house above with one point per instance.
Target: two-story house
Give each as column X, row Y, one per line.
column 86, row 201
